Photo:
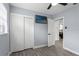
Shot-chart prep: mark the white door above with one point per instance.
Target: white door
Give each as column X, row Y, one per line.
column 29, row 32
column 16, row 33
column 57, row 30
column 51, row 32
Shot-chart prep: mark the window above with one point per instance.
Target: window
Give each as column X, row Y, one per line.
column 3, row 19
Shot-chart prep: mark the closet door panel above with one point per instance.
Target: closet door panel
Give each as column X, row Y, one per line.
column 29, row 32
column 31, row 22
column 17, row 33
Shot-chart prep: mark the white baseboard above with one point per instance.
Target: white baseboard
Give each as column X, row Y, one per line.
column 39, row 46
column 71, row 50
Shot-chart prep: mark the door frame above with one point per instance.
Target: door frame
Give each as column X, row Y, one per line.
column 24, row 26
column 63, row 26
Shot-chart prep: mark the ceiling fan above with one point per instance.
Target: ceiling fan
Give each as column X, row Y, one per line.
column 63, row 4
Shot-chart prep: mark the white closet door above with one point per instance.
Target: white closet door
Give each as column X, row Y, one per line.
column 29, row 32
column 17, row 33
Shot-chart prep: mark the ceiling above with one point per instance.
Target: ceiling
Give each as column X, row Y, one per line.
column 42, row 7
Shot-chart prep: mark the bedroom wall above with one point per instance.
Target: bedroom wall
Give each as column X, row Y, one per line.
column 41, row 34
column 71, row 34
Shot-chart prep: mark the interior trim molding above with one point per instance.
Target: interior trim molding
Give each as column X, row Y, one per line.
column 39, row 46
column 22, row 15
column 71, row 50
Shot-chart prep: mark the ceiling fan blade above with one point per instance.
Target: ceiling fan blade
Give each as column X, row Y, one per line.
column 50, row 5
column 64, row 4
column 75, row 3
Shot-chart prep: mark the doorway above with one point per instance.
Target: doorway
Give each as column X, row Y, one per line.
column 55, row 31
column 59, row 27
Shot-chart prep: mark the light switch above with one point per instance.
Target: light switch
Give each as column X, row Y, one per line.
column 65, row 27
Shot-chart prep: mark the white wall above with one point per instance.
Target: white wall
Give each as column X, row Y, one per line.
column 40, row 29
column 41, row 34
column 4, row 39
column 71, row 34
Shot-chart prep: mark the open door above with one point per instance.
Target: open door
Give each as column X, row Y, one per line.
column 56, row 30
column 51, row 32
